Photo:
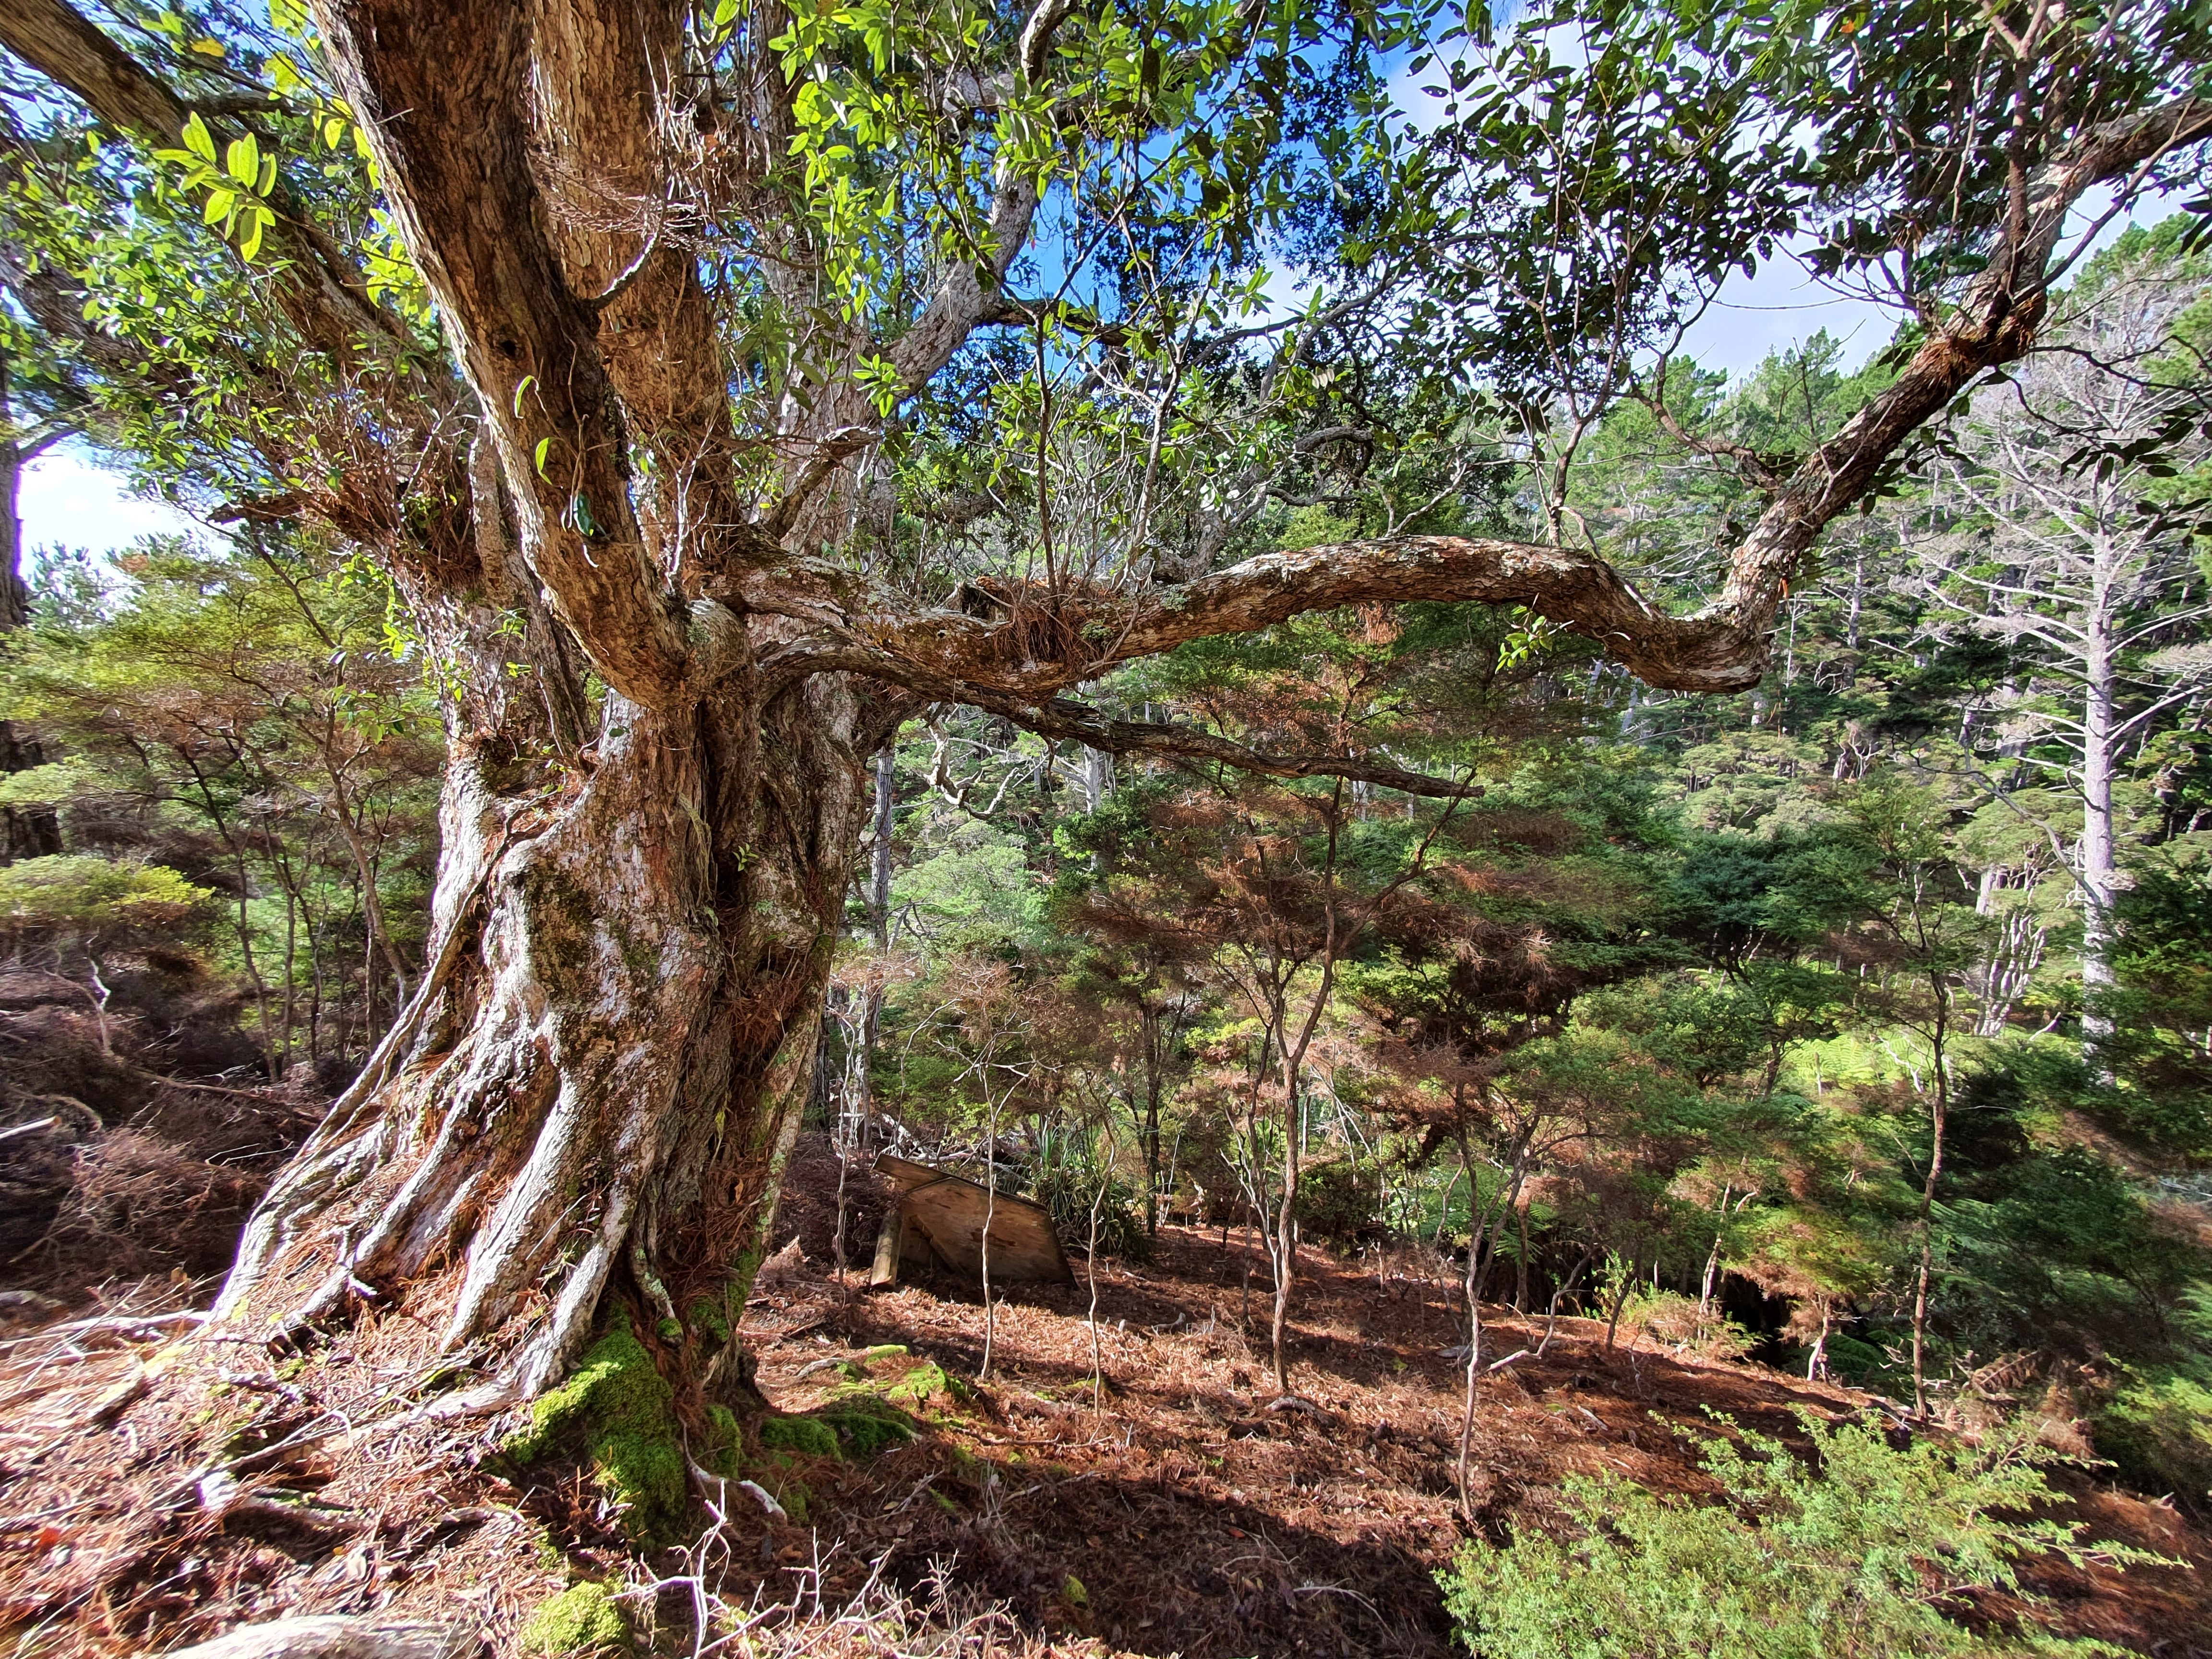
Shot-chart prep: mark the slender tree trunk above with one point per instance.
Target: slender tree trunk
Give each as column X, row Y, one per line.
column 1559, row 1294
column 2096, row 853
column 372, row 902
column 1152, row 1023
column 1097, row 778
column 1619, row 1301
column 243, row 923
column 990, row 1213
column 879, row 926
column 1938, row 1115
column 1521, row 1273
column 14, row 594
column 25, row 832
column 1287, row 1240
column 1091, row 1283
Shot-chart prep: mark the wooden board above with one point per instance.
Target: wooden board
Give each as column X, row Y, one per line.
column 938, row 1220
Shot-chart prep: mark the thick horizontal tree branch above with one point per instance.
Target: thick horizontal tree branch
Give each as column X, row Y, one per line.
column 1044, row 643
column 1038, row 644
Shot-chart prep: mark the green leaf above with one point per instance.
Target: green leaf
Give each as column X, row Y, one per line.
column 242, row 161
column 218, row 205
column 199, row 140
column 521, row 391
column 258, row 219
column 545, row 448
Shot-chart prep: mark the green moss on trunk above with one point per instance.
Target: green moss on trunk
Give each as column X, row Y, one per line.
column 616, row 1412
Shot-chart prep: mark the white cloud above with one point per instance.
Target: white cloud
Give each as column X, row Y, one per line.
column 68, row 500
column 1779, row 306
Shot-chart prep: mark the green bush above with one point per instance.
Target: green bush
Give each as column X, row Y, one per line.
column 1865, row 1365
column 1864, row 1558
column 1341, row 1203
column 2157, row 1428
column 1067, row 1188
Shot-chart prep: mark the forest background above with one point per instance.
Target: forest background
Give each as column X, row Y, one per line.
column 1862, row 1020
column 1665, row 1015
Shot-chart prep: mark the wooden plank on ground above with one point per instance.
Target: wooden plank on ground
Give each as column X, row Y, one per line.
column 948, row 1211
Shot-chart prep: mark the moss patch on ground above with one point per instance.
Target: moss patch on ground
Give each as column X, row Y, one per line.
column 867, row 1423
column 615, row 1411
column 809, row 1437
column 583, row 1619
column 921, row 1382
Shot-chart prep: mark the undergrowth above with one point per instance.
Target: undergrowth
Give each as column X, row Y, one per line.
column 1879, row 1553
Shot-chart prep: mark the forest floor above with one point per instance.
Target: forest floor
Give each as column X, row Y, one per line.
column 1195, row 1513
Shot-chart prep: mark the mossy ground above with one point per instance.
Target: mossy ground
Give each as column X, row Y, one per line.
column 584, row 1619
column 885, row 1395
column 889, row 1374
column 861, row 1418
column 809, row 1437
column 867, row 1424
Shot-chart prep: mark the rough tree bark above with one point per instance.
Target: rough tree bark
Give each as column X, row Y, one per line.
column 601, row 1074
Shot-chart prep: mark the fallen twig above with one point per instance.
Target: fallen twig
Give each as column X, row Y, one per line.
column 760, row 1495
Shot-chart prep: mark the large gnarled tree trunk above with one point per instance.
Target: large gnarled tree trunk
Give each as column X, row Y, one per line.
column 601, row 1076
column 605, row 1078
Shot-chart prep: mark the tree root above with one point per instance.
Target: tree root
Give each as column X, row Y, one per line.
column 332, row 1637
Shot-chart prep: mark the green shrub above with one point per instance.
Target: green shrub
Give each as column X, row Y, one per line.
column 1066, row 1189
column 1865, row 1365
column 1341, row 1203
column 1863, row 1559
column 2157, row 1427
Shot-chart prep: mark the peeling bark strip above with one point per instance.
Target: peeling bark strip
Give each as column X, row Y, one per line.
column 592, row 1101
